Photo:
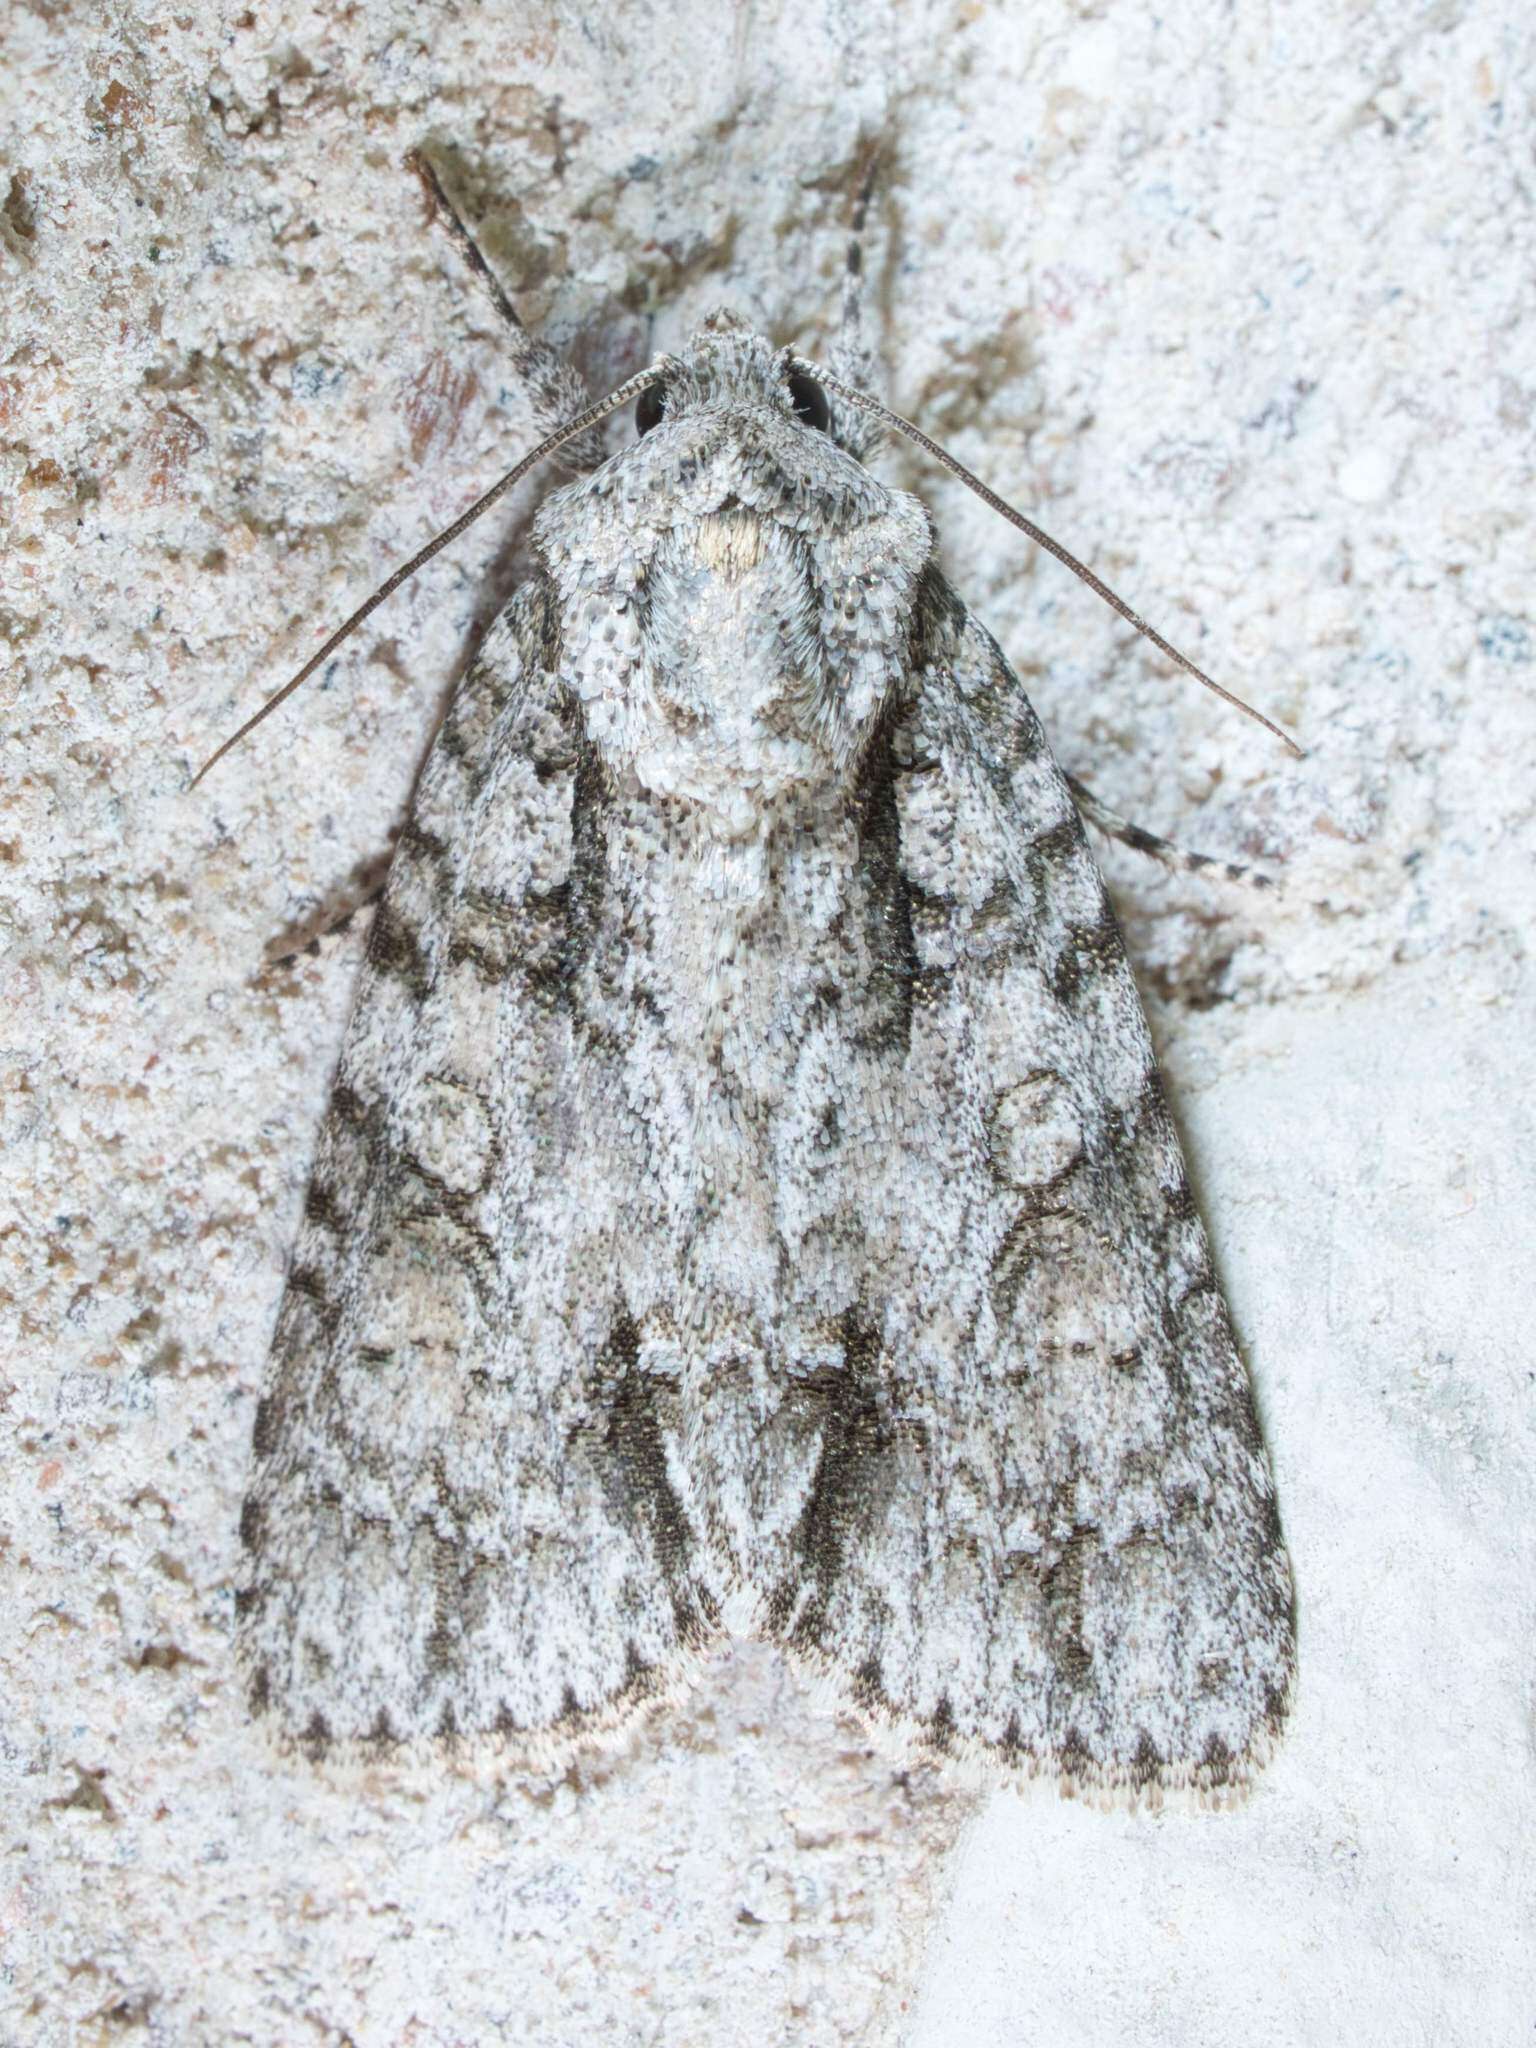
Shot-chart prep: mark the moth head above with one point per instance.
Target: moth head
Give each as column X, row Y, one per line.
column 726, row 368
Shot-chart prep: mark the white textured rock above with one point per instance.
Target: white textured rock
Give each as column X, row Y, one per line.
column 1240, row 305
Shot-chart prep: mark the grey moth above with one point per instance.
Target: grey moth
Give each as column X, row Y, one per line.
column 747, row 1200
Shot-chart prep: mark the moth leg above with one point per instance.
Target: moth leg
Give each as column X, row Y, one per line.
column 851, row 357
column 310, row 934
column 556, row 389
column 1113, row 826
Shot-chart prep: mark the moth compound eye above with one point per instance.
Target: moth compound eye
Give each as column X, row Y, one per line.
column 810, row 402
column 649, row 409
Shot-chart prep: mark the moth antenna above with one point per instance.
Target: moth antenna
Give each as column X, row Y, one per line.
column 469, row 249
column 600, row 410
column 852, row 337
column 555, row 386
column 851, row 354
column 1042, row 539
column 1180, row 858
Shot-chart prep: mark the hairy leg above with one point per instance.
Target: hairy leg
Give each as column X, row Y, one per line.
column 555, row 388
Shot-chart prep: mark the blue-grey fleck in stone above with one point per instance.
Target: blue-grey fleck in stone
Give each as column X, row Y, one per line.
column 1503, row 638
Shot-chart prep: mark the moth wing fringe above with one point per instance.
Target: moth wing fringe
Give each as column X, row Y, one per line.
column 1179, row 1786
column 588, row 1735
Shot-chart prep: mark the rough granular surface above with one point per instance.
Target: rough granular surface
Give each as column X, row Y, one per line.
column 1239, row 308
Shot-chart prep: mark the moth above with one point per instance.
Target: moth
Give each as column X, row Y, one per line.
column 747, row 1200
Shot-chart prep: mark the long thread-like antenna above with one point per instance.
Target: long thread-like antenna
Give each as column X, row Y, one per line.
column 631, row 388
column 865, row 403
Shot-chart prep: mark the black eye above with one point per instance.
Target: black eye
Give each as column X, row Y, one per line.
column 810, row 401
column 648, row 409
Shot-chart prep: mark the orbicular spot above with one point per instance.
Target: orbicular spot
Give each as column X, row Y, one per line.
column 419, row 1294
column 447, row 1131
column 1034, row 1130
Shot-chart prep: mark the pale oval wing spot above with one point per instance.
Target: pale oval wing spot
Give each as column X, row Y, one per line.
column 1035, row 1131
column 447, row 1132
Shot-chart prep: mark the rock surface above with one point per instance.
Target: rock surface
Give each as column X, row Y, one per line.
column 1237, row 303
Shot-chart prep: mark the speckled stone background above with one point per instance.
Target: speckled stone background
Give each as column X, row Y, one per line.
column 1239, row 302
